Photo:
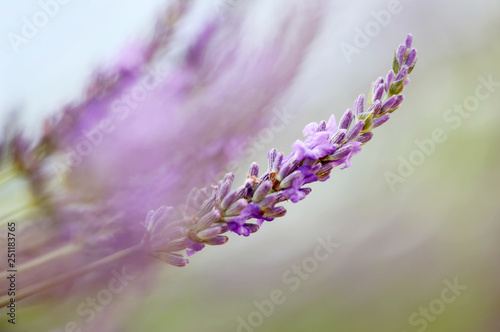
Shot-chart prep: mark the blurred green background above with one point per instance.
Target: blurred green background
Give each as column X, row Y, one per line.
column 400, row 246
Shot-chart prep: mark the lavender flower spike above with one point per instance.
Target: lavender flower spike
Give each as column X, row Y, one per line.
column 326, row 147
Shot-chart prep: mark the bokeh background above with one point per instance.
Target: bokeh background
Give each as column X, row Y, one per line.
column 399, row 245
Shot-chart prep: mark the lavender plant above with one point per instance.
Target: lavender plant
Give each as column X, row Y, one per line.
column 71, row 227
column 210, row 213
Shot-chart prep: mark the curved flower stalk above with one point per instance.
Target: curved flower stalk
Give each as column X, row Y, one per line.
column 79, row 194
column 210, row 213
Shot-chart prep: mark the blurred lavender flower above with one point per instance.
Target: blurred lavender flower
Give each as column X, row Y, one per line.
column 161, row 121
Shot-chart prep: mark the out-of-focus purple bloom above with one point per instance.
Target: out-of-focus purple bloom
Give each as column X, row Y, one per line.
column 149, row 129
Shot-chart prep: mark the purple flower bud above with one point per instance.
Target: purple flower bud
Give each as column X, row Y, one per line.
column 397, row 103
column 223, row 189
column 377, row 95
column 377, row 122
column 400, row 54
column 262, row 190
column 306, row 191
column 341, row 153
column 375, row 107
column 323, row 172
column 408, row 41
column 228, row 200
column 195, row 246
column 265, row 176
column 285, row 170
column 223, row 227
column 402, row 74
column 364, row 138
column 378, row 81
column 207, row 220
column 272, row 199
column 389, row 79
column 253, row 170
column 277, row 162
column 229, row 177
column 290, row 179
column 412, row 58
column 346, row 120
column 209, row 233
column 358, row 105
column 252, row 227
column 271, row 156
column 275, row 212
column 388, row 105
column 236, row 207
column 339, row 136
column 355, row 130
column 243, row 190
column 217, row 241
column 379, row 92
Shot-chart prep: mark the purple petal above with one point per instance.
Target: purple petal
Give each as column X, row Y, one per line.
column 310, row 129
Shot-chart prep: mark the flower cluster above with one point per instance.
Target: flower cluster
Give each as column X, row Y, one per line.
column 209, row 214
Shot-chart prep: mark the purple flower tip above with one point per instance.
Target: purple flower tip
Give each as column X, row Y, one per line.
column 408, row 41
column 193, row 247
